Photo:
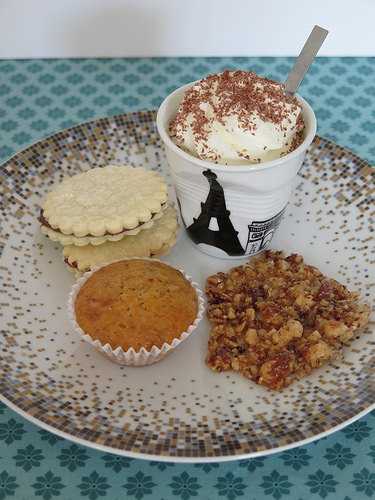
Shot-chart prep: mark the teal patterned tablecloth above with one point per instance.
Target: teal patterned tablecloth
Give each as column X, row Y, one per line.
column 40, row 97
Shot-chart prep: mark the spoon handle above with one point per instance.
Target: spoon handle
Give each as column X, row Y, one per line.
column 304, row 60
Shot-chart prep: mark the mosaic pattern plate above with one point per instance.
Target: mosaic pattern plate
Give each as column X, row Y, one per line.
column 178, row 409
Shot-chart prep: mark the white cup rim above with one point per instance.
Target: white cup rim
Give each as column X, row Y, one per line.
column 160, row 119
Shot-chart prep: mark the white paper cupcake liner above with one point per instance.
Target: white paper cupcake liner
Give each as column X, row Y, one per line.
column 132, row 357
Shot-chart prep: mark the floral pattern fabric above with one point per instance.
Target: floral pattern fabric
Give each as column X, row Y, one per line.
column 38, row 98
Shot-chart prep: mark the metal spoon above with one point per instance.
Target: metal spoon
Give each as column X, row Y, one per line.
column 305, row 59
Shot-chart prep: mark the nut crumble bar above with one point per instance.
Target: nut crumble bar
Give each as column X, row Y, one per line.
column 276, row 318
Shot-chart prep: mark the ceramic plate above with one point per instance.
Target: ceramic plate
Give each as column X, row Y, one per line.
column 177, row 409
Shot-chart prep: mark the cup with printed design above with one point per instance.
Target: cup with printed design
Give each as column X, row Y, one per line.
column 235, row 143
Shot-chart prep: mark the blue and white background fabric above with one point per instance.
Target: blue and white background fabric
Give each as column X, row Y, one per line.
column 38, row 98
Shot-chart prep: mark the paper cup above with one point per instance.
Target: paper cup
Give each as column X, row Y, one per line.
column 231, row 211
column 132, row 357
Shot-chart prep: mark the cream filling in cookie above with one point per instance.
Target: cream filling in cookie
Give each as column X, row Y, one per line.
column 161, row 235
column 70, row 239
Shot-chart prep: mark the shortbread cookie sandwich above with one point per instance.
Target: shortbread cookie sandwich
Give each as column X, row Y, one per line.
column 103, row 204
column 135, row 311
column 156, row 241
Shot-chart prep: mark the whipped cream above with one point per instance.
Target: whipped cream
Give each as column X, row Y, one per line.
column 237, row 117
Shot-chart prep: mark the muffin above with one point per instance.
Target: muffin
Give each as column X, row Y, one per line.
column 135, row 307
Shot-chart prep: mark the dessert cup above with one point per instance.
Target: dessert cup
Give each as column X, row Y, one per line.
column 231, row 211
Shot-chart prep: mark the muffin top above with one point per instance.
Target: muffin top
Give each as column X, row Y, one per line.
column 136, row 303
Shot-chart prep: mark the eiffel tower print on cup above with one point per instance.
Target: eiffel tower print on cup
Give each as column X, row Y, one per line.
column 234, row 143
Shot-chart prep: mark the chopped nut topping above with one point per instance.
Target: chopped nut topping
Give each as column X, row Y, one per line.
column 251, row 336
column 276, row 318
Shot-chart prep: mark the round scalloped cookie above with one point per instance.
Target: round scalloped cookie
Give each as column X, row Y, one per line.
column 164, row 250
column 70, row 239
column 106, row 200
column 155, row 241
